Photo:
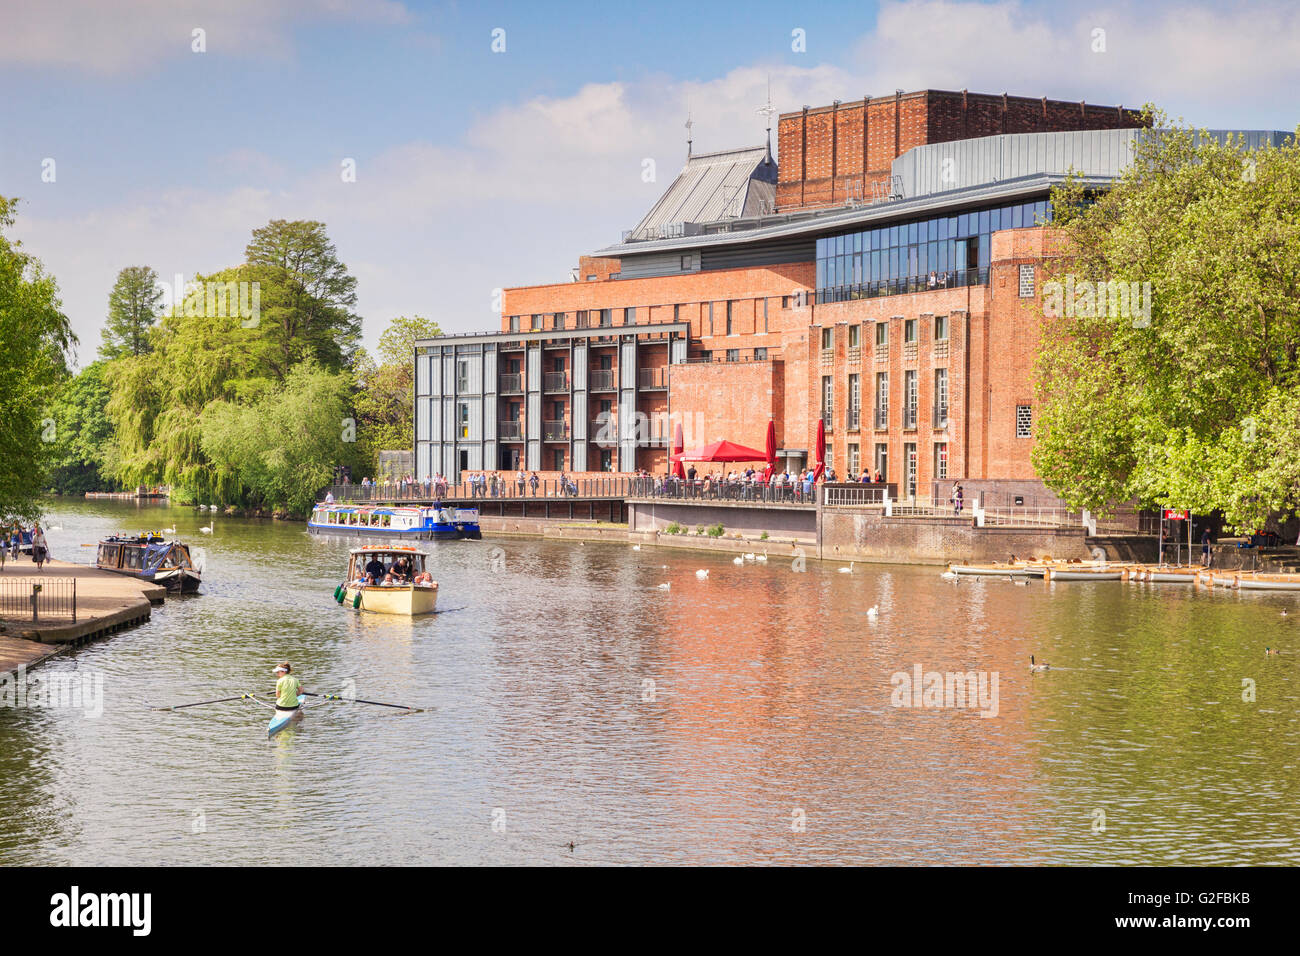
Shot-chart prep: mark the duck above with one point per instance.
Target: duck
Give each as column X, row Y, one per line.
column 1035, row 666
column 701, row 574
column 848, row 570
column 738, row 560
column 1271, row 652
column 873, row 612
column 1283, row 609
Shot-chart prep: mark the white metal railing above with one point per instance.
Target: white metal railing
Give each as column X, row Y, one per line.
column 854, row 497
column 1028, row 518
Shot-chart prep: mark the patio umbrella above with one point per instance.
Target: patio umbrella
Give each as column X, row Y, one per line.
column 723, row 451
column 679, row 445
column 771, row 450
column 821, row 450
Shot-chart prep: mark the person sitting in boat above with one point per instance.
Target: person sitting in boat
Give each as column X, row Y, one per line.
column 423, row 579
column 287, row 687
column 375, row 569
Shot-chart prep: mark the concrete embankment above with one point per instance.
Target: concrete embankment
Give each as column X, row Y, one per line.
column 105, row 603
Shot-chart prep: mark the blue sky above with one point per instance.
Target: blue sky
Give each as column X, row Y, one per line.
column 477, row 169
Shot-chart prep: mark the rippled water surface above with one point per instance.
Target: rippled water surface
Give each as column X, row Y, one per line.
column 744, row 718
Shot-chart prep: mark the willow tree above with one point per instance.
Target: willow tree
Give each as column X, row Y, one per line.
column 35, row 339
column 1186, row 396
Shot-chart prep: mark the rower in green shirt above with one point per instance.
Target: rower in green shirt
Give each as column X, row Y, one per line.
column 287, row 688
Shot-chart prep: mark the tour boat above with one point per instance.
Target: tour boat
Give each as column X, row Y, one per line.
column 439, row 523
column 150, row 558
column 404, row 599
column 1080, row 572
column 1004, row 570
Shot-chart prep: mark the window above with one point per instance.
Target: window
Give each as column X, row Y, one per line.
column 941, row 461
column 559, row 459
column 828, row 399
column 1026, row 282
column 882, row 461
column 854, row 462
column 940, row 397
column 686, row 263
column 581, row 321
column 827, row 341
column 1024, row 421
column 537, row 323
column 765, row 315
column 855, row 400
column 462, row 375
column 677, row 313
column 462, row 419
column 909, row 464
column 909, row 399
column 591, row 278
column 882, row 335
column 854, row 336
column 909, row 330
column 606, row 318
column 733, row 355
column 558, row 320
column 514, row 323
column 760, row 355
column 882, row 399
column 731, row 328
column 940, row 328
column 710, row 318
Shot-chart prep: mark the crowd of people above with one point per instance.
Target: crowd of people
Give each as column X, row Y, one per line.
column 19, row 539
column 400, row 573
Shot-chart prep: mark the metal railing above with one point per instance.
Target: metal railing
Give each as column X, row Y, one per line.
column 36, row 600
column 909, row 416
column 828, row 418
column 512, row 383
column 854, row 418
column 652, row 378
column 952, row 279
column 880, row 418
column 854, row 496
column 1031, row 518
column 510, row 430
column 602, row 380
column 555, row 431
column 704, row 489
column 940, row 416
column 555, row 381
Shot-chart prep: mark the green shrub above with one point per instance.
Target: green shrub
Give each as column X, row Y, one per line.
column 715, row 531
column 763, row 536
column 699, row 529
column 673, row 528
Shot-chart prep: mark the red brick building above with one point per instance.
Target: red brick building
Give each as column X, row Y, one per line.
column 750, row 293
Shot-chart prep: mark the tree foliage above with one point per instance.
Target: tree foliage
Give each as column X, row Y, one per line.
column 83, row 433
column 35, row 338
column 132, row 312
column 385, row 391
column 1194, row 405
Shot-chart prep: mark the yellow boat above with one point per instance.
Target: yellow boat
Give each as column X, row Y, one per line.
column 377, row 588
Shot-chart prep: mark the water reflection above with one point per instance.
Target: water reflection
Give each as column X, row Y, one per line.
column 741, row 718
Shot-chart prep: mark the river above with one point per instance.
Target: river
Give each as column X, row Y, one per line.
column 741, row 718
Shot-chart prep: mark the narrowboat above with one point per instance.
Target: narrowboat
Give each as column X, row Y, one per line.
column 151, row 558
column 411, row 593
column 436, row 523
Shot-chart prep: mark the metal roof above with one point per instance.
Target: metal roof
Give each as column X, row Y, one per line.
column 713, row 186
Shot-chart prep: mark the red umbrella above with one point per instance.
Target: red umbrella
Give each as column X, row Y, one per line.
column 821, row 450
column 723, row 451
column 771, row 449
column 679, row 445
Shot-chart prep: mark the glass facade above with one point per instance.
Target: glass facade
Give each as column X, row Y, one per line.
column 939, row 252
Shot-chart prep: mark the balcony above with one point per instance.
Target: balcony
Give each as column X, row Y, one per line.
column 881, row 418
column 555, row 431
column 652, row 379
column 512, row 384
column 602, row 380
column 940, row 416
column 555, row 381
column 510, row 430
column 952, row 279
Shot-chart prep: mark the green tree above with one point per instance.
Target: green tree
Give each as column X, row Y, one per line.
column 284, row 446
column 307, row 296
column 84, row 442
column 36, row 339
column 132, row 311
column 385, row 399
column 1192, row 403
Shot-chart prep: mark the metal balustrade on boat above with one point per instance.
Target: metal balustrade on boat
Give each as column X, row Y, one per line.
column 38, row 599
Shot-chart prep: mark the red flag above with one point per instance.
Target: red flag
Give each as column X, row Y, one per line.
column 821, row 450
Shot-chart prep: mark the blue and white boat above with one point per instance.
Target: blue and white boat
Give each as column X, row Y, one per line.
column 149, row 557
column 436, row 523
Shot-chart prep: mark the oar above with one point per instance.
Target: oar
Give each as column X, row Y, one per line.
column 358, row 700
column 200, row 703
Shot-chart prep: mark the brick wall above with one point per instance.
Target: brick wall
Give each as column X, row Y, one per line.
column 821, row 150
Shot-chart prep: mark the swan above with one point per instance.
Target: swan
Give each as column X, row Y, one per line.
column 738, row 560
column 665, row 586
column 701, row 574
column 848, row 570
column 950, row 575
column 750, row 556
column 207, row 529
column 873, row 612
column 1035, row 666
column 761, row 558
column 636, row 547
column 171, row 530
